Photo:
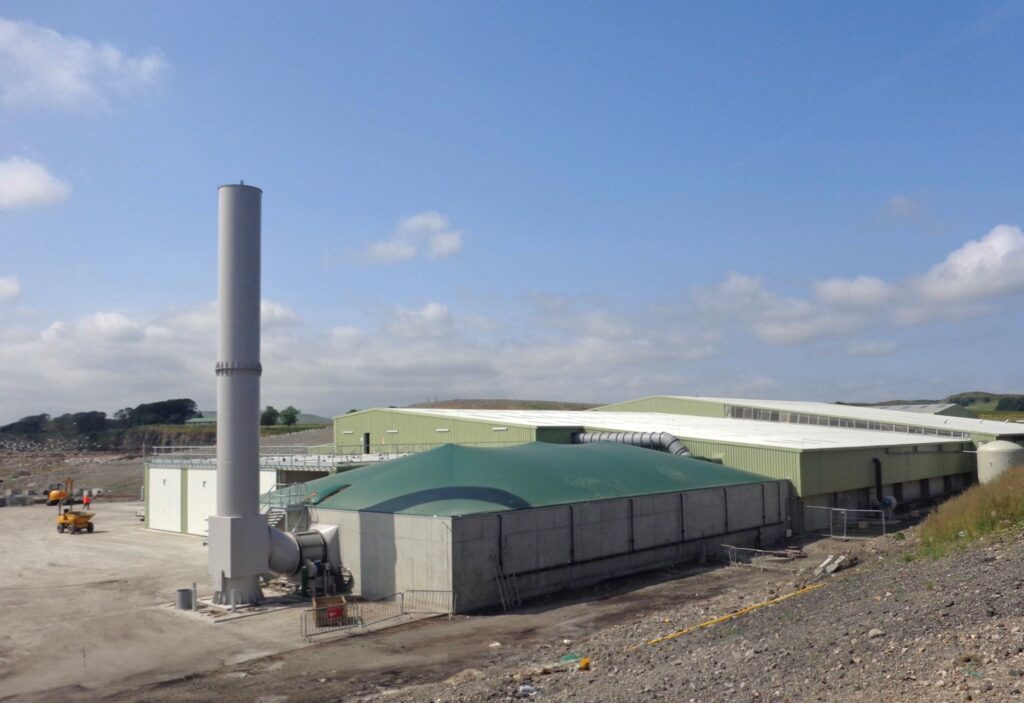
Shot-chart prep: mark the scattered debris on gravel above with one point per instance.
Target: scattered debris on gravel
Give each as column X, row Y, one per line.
column 896, row 627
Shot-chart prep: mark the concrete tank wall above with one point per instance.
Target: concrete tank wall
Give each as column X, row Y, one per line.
column 551, row 549
column 389, row 553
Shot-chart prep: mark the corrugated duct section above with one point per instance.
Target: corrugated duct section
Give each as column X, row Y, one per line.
column 661, row 441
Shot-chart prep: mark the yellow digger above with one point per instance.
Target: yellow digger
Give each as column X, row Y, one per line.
column 72, row 521
column 58, row 492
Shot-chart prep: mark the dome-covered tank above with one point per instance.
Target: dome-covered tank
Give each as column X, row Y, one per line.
column 996, row 457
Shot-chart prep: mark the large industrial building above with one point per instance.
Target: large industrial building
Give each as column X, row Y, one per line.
column 461, row 501
column 883, row 419
column 834, row 465
column 503, row 523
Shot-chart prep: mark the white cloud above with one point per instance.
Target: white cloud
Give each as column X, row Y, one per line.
column 10, row 287
column 428, row 234
column 444, row 244
column 25, row 183
column 391, row 251
column 804, row 327
column 964, row 285
column 110, row 359
column 981, row 268
column 53, row 332
column 726, row 339
column 275, row 315
column 432, row 320
column 40, row 67
column 862, row 291
column 774, row 319
column 112, row 326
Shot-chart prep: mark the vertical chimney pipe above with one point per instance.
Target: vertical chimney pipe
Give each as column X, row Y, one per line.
column 238, row 536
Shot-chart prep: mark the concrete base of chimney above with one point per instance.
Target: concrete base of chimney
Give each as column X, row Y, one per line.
column 239, row 549
column 239, row 591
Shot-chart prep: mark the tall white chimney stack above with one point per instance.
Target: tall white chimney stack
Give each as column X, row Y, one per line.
column 238, row 535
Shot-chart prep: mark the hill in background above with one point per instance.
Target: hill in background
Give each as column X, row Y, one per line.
column 503, row 404
column 983, row 403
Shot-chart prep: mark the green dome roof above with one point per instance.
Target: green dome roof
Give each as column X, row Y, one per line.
column 455, row 480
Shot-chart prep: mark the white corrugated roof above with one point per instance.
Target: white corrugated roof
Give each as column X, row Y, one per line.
column 875, row 414
column 726, row 430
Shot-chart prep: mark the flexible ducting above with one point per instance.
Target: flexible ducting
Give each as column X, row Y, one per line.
column 661, row 441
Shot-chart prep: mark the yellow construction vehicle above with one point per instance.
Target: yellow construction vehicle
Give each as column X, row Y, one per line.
column 61, row 492
column 68, row 520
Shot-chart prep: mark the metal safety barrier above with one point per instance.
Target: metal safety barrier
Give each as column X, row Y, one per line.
column 430, row 602
column 362, row 614
column 337, row 617
column 846, row 523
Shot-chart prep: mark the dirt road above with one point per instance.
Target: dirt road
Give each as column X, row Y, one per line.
column 894, row 628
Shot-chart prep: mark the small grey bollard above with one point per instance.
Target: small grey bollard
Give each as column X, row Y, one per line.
column 195, row 597
column 184, row 600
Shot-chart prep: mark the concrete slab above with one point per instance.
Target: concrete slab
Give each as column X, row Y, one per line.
column 88, row 610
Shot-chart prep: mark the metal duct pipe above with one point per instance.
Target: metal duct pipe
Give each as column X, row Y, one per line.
column 878, row 478
column 290, row 550
column 239, row 539
column 661, row 441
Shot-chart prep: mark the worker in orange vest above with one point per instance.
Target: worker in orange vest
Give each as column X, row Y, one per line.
column 86, row 501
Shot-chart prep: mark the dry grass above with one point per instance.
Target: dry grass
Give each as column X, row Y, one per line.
column 980, row 511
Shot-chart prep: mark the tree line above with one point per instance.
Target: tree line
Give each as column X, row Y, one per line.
column 165, row 412
column 272, row 416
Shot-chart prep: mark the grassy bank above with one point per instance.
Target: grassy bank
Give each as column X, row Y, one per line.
column 981, row 510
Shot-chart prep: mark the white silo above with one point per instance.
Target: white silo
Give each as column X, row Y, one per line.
column 996, row 457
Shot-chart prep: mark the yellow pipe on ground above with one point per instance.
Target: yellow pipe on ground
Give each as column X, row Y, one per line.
column 730, row 616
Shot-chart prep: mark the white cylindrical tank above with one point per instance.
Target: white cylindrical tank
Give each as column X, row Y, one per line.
column 996, row 457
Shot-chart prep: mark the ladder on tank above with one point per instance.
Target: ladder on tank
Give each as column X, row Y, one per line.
column 508, row 586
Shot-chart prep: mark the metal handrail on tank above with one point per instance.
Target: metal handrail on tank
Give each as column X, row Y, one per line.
column 316, row 457
column 283, row 495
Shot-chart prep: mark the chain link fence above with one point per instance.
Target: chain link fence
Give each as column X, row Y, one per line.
column 846, row 523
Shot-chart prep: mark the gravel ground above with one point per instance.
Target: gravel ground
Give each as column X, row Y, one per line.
column 320, row 435
column 27, row 465
column 894, row 628
column 118, row 474
column 890, row 629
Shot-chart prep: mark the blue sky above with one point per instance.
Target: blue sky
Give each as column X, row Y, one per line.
column 579, row 201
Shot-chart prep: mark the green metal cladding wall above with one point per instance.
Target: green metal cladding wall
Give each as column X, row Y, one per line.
column 413, row 429
column 665, row 404
column 781, row 464
column 824, row 472
column 981, row 438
